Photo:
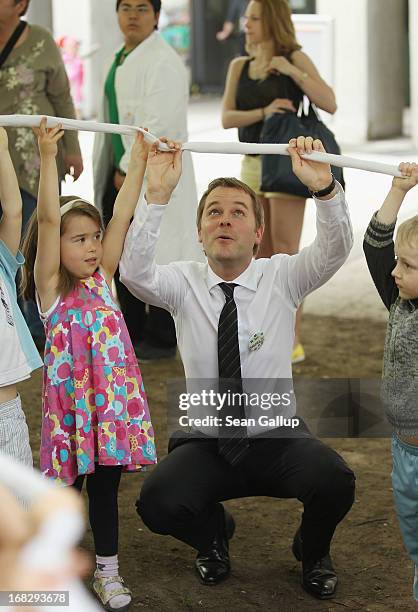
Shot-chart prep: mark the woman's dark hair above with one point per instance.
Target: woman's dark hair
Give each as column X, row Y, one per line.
column 25, row 9
column 156, row 5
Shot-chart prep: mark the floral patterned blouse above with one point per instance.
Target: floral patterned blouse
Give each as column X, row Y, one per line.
column 33, row 81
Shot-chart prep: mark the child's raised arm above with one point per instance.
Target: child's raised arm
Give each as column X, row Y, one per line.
column 11, row 200
column 400, row 187
column 124, row 207
column 47, row 263
column 378, row 242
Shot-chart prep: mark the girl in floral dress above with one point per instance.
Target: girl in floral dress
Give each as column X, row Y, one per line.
column 96, row 422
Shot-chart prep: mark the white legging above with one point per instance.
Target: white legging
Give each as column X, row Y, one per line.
column 243, row 148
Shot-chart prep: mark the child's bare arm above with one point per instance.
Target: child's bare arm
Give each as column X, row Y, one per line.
column 400, row 187
column 47, row 261
column 124, row 207
column 11, row 200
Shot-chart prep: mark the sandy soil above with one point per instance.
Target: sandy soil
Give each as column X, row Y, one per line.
column 374, row 571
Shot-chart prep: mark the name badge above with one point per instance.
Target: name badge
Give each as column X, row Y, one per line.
column 256, row 341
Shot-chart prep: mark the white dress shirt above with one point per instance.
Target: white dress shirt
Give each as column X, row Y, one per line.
column 267, row 295
column 152, row 90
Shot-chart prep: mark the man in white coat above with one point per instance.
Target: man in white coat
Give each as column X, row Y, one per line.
column 147, row 85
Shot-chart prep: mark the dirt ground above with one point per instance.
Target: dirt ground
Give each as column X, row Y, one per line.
column 375, row 573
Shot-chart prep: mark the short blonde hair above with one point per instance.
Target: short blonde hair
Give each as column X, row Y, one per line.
column 408, row 232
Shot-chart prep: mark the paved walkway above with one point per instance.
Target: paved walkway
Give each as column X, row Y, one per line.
column 350, row 293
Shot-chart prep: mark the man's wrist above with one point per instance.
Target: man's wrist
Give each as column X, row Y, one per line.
column 321, row 184
column 153, row 197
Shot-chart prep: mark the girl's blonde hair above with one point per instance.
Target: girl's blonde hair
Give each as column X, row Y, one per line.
column 30, row 243
column 277, row 24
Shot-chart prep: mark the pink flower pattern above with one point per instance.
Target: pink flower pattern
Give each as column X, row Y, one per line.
column 94, row 406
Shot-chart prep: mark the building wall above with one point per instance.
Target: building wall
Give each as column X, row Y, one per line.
column 350, row 67
column 94, row 23
column 413, row 55
column 370, row 73
column 40, row 13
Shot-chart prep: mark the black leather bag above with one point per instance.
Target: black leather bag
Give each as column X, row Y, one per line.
column 277, row 173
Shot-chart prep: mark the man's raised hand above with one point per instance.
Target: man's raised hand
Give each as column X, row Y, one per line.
column 163, row 171
column 315, row 175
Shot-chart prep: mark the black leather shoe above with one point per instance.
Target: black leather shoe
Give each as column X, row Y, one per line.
column 319, row 577
column 213, row 565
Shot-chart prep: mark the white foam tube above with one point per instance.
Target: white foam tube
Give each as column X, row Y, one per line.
column 49, row 548
column 242, row 148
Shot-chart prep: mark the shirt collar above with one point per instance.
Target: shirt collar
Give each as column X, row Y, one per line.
column 247, row 279
column 142, row 46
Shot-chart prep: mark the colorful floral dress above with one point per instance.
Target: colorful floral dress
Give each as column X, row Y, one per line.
column 94, row 404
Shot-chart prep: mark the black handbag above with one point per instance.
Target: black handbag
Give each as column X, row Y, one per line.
column 277, row 173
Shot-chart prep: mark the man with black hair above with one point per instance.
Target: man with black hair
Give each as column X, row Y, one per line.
column 147, row 85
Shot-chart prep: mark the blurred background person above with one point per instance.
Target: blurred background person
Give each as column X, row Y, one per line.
column 74, row 65
column 274, row 79
column 147, row 85
column 233, row 27
column 234, row 22
column 33, row 81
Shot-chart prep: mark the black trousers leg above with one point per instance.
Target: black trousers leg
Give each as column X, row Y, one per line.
column 306, row 469
column 102, row 489
column 181, row 496
column 157, row 327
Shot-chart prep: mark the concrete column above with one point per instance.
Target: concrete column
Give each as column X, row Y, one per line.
column 40, row 13
column 413, row 49
column 387, row 74
column 351, row 68
column 370, row 73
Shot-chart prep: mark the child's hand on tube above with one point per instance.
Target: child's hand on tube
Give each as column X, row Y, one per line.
column 48, row 139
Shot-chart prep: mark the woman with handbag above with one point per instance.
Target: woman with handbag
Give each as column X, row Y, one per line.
column 272, row 81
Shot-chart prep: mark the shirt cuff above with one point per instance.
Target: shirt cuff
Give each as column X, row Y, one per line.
column 332, row 208
column 148, row 216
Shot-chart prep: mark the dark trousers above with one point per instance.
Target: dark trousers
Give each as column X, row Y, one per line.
column 181, row 497
column 155, row 326
column 102, row 489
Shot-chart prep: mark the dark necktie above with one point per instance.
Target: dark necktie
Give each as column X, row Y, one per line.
column 233, row 439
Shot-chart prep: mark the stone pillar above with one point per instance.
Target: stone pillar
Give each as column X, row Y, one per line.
column 351, row 68
column 387, row 73
column 370, row 74
column 40, row 13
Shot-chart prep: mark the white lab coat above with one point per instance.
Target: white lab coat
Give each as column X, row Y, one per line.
column 152, row 91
